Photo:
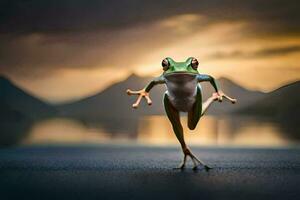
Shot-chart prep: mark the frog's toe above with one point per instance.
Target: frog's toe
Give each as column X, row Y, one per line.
column 180, row 167
column 207, row 168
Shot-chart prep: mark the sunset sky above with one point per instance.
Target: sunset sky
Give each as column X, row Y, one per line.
column 63, row 50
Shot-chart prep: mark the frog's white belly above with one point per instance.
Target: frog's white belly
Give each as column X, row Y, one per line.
column 182, row 90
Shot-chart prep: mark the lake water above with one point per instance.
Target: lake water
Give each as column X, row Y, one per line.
column 156, row 130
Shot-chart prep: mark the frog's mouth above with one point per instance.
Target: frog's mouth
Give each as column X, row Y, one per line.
column 184, row 76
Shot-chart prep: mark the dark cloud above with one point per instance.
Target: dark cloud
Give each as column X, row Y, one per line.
column 255, row 54
column 43, row 35
column 27, row 16
column 278, row 51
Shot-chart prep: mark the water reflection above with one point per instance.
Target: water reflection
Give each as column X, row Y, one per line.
column 156, row 130
column 214, row 131
column 61, row 130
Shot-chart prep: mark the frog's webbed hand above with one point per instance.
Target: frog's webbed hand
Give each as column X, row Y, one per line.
column 141, row 93
column 145, row 92
column 219, row 96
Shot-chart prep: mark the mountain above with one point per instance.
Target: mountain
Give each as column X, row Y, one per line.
column 281, row 105
column 112, row 107
column 283, row 102
column 113, row 102
column 18, row 110
column 22, row 102
column 14, row 125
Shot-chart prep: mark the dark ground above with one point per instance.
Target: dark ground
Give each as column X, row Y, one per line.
column 120, row 172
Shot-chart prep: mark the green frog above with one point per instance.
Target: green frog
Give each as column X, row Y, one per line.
column 183, row 95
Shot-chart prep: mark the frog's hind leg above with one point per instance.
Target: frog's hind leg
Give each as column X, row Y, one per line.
column 199, row 109
column 196, row 112
column 193, row 118
column 208, row 102
column 174, row 117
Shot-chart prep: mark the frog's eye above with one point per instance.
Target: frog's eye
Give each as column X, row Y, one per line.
column 165, row 64
column 194, row 63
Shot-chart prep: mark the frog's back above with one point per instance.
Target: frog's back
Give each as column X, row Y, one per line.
column 182, row 90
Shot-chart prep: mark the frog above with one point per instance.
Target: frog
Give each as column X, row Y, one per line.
column 183, row 95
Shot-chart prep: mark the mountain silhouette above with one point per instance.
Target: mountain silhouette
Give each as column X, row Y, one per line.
column 284, row 101
column 18, row 110
column 113, row 102
column 23, row 102
column 112, row 106
column 281, row 105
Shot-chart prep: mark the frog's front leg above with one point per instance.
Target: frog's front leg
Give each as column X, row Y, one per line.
column 144, row 93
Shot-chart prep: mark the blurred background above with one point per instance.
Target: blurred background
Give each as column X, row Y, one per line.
column 65, row 66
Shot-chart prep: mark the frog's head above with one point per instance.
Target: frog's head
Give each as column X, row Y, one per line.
column 171, row 67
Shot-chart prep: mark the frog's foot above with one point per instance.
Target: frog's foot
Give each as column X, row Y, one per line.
column 207, row 167
column 180, row 167
column 182, row 164
column 195, row 160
